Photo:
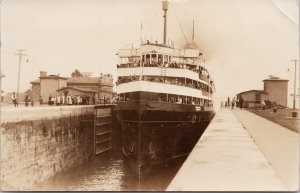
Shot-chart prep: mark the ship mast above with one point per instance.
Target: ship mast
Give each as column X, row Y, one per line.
column 193, row 30
column 165, row 5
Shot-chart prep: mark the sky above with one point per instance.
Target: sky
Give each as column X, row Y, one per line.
column 243, row 41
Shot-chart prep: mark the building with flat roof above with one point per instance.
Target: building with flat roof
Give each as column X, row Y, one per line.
column 275, row 91
column 253, row 98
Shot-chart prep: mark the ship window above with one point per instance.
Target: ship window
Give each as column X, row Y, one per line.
column 162, row 97
column 126, row 97
column 189, row 100
column 123, row 60
column 130, row 59
column 160, row 59
column 166, row 59
column 122, row 97
column 153, row 59
column 143, row 58
column 194, row 62
column 185, row 100
column 172, row 98
column 134, row 96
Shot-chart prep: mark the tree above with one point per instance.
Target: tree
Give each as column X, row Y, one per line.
column 76, row 73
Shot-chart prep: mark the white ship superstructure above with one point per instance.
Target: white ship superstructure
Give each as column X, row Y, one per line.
column 164, row 101
column 163, row 69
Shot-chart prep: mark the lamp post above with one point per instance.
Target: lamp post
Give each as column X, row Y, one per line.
column 295, row 74
column 20, row 53
column 1, row 76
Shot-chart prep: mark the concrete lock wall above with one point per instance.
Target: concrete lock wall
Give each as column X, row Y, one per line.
column 38, row 143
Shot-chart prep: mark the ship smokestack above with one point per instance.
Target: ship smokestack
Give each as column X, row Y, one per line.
column 165, row 5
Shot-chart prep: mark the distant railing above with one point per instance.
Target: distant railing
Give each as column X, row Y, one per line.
column 204, row 106
column 174, row 81
column 203, row 74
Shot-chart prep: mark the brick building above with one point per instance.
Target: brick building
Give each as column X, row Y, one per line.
column 97, row 87
column 275, row 91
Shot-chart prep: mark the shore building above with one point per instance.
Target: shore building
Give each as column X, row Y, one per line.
column 275, row 90
column 99, row 87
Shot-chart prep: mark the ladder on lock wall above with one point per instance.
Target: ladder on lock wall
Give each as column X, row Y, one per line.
column 102, row 128
column 163, row 71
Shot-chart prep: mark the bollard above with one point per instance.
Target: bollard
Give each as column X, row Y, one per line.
column 294, row 114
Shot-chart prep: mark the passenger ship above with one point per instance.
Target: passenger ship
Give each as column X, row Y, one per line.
column 164, row 101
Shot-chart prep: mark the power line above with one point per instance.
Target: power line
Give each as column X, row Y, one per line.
column 180, row 25
column 152, row 21
column 20, row 53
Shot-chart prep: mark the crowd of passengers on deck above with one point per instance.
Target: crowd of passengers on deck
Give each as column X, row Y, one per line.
column 136, row 63
column 171, row 99
column 169, row 80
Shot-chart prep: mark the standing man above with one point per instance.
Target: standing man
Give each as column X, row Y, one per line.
column 41, row 100
column 14, row 99
column 263, row 105
column 228, row 102
column 241, row 101
column 26, row 100
column 233, row 102
column 94, row 100
column 50, row 100
column 32, row 101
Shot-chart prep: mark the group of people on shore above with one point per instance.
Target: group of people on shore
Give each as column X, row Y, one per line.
column 29, row 100
column 239, row 102
column 58, row 99
column 61, row 99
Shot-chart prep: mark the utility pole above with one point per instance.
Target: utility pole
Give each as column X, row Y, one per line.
column 20, row 53
column 294, row 99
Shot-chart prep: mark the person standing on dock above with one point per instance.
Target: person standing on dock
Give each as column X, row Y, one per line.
column 41, row 100
column 263, row 105
column 233, row 103
column 241, row 102
column 14, row 99
column 50, row 100
column 26, row 100
column 31, row 101
column 228, row 102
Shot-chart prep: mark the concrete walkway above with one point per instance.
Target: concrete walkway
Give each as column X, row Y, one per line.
column 279, row 145
column 226, row 158
column 13, row 114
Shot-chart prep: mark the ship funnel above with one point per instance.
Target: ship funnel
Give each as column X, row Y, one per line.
column 165, row 5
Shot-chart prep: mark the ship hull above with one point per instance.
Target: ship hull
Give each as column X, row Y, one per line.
column 154, row 133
